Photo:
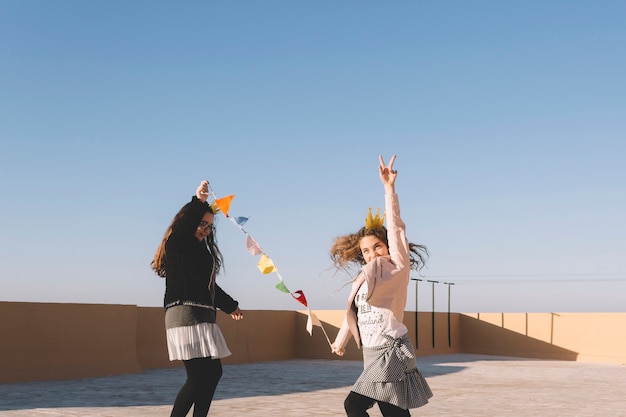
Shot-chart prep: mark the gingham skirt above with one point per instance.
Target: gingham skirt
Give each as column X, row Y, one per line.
column 192, row 333
column 390, row 375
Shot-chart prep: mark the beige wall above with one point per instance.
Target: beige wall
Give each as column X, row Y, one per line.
column 60, row 341
column 40, row 341
column 587, row 337
column 316, row 346
column 263, row 335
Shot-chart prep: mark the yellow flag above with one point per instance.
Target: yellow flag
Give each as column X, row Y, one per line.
column 265, row 265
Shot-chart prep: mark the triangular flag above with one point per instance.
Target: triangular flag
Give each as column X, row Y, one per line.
column 240, row 220
column 282, row 287
column 311, row 321
column 224, row 203
column 300, row 297
column 252, row 246
column 266, row 265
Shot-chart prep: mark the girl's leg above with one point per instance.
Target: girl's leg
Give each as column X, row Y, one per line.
column 203, row 374
column 212, row 372
column 356, row 405
column 184, row 399
column 390, row 410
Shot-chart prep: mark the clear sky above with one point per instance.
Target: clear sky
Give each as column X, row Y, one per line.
column 508, row 119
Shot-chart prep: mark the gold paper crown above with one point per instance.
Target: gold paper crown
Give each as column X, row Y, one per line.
column 374, row 222
column 214, row 207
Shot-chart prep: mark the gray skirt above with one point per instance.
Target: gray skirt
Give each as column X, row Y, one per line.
column 390, row 375
column 192, row 333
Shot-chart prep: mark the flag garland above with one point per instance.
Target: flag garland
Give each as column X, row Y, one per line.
column 265, row 263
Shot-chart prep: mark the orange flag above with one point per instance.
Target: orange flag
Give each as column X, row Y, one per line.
column 224, row 203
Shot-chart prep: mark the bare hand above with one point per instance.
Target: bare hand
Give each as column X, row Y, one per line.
column 339, row 351
column 202, row 192
column 237, row 314
column 386, row 173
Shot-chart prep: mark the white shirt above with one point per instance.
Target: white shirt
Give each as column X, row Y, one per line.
column 374, row 322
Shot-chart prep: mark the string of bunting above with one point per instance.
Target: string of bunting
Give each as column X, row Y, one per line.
column 265, row 263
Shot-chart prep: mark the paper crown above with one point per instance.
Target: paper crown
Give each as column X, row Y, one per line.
column 374, row 222
column 214, row 207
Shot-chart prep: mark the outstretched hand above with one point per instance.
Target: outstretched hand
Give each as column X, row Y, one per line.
column 387, row 173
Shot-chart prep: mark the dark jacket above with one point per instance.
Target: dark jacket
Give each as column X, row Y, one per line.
column 190, row 266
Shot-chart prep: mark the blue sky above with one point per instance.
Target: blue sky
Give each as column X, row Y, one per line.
column 508, row 119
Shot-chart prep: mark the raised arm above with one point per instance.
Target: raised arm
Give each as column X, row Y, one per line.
column 388, row 175
column 202, row 192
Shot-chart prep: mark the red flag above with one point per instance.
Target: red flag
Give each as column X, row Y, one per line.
column 300, row 297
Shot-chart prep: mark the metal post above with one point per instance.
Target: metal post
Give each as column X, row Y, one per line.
column 416, row 310
column 433, row 315
column 449, row 284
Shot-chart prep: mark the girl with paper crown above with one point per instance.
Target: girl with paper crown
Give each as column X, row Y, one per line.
column 376, row 310
column 189, row 260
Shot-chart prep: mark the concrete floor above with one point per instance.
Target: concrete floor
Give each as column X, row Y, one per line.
column 463, row 385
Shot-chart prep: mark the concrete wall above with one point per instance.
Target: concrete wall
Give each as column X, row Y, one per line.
column 316, row 346
column 42, row 341
column 587, row 337
column 263, row 335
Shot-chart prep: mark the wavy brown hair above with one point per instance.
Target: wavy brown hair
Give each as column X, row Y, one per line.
column 346, row 249
column 186, row 221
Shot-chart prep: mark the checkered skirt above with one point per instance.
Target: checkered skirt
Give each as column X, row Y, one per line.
column 390, row 375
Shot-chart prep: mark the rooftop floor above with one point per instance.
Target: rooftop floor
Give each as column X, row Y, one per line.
column 463, row 385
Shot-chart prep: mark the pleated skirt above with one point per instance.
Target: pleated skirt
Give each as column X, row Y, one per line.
column 192, row 333
column 390, row 375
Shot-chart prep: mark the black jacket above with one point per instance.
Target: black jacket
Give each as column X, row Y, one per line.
column 190, row 265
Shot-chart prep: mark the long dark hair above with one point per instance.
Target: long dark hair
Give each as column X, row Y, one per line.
column 186, row 221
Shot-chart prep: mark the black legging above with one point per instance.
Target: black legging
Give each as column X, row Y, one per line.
column 356, row 405
column 203, row 374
